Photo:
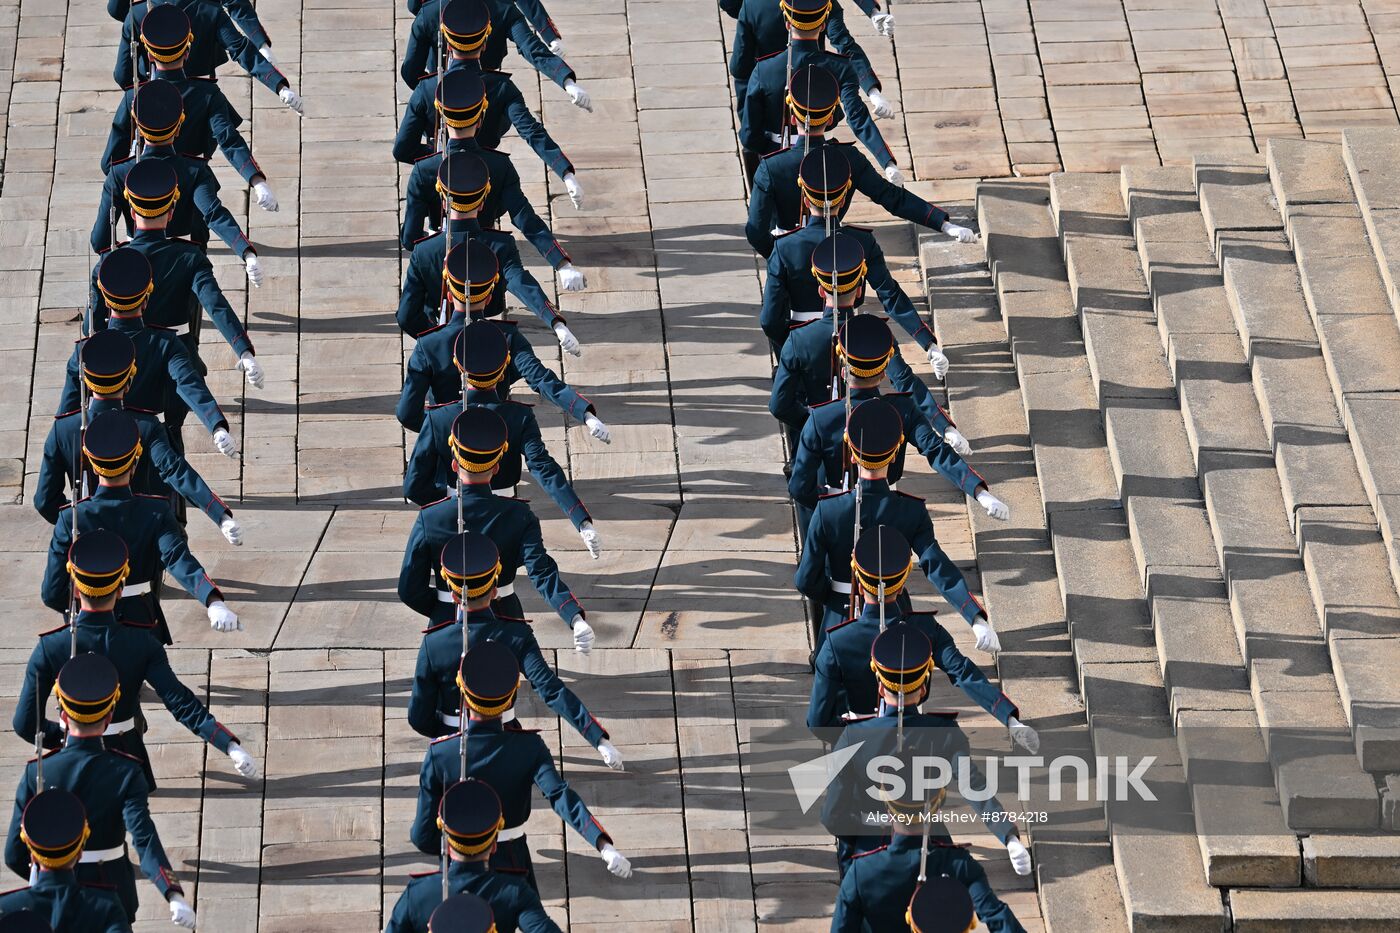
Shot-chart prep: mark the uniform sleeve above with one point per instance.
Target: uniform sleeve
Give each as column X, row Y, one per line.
column 968, row 678
column 243, row 52
column 753, row 125
column 119, row 139
column 526, row 219
column 57, row 588
column 117, row 9
column 904, row 380
column 807, row 460
column 566, row 801
column 532, row 917
column 842, row 41
column 401, row 920
column 33, row 697
column 775, row 313
column 136, row 812
column 421, row 190
column 425, row 701
column 942, row 572
column 416, row 126
column 811, row 579
column 223, row 126
column 412, row 315
column 192, row 388
column 728, row 6
column 424, row 834
column 537, row 53
column 827, row 693
column 538, row 18
column 216, row 305
column 416, row 382
column 558, row 697
column 415, row 576
column 763, row 213
column 550, row 476
column 941, row 457
column 123, row 73
column 742, row 55
column 420, row 49
column 101, row 237
column 16, row 852
column 868, row 7
column 241, row 12
column 425, row 465
column 51, row 489
column 549, row 386
column 848, row 916
column 182, row 702
column 784, row 401
column 181, row 477
column 71, row 397
column 526, row 287
column 901, row 202
column 112, row 916
column 544, row 572
column 217, row 217
column 995, row 819
column 860, row 120
column 896, row 303
column 532, row 131
column 180, row 563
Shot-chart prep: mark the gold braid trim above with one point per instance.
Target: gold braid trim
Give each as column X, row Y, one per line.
column 105, row 383
column 54, row 861
column 472, row 466
column 466, row 43
column 94, row 590
column 892, row 584
column 473, row 592
column 467, row 848
column 483, row 380
column 64, row 700
column 873, row 461
column 480, row 291
column 895, row 686
column 798, row 17
column 161, row 137
column 865, row 372
column 810, row 115
column 857, row 276
column 123, row 303
column 480, row 706
column 473, row 114
column 167, row 54
column 114, row 466
column 139, row 205
column 473, row 199
column 819, row 198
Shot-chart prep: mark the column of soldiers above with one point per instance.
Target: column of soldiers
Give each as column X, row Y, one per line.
column 474, row 442
column 114, row 480
column 847, row 436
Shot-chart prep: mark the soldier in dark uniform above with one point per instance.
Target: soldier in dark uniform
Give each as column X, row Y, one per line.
column 940, row 904
column 506, row 107
column 216, row 40
column 470, row 815
column 478, row 444
column 98, row 562
column 481, row 355
column 766, row 116
column 878, row 880
column 158, row 109
column 112, row 446
column 210, row 120
column 55, row 830
column 65, row 464
column 463, row 913
column 873, row 434
column 240, row 11
column 864, row 347
column 883, row 22
column 461, row 99
column 166, row 378
column 112, row 787
column 511, row 760
column 182, row 279
column 777, row 201
column 482, row 256
column 846, row 688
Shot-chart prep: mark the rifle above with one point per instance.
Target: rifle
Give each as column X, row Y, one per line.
column 880, row 561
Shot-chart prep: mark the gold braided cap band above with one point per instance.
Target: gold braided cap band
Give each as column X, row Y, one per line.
column 160, row 136
column 486, row 706
column 53, row 858
column 463, row 847
column 110, row 383
column 459, row 453
column 846, row 279
column 113, row 466
column 98, row 585
column 123, row 303
column 873, row 461
column 480, row 291
column 871, row 582
column 905, row 686
column 466, row 43
column 86, row 712
column 865, row 369
column 165, row 54
column 483, row 586
column 482, row 380
column 461, row 119
column 810, row 115
column 826, row 200
column 806, row 19
column 152, row 207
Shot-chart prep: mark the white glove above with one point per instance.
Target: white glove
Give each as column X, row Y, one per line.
column 893, row 175
column 571, row 280
column 181, row 913
column 610, row 755
column 961, row 234
column 1024, row 736
column 938, row 360
column 243, row 762
column 883, row 23
column 880, row 108
column 567, row 341
column 986, row 638
column 597, row 428
column 252, row 369
column 578, row 95
column 255, row 273
column 557, row 48
column 615, row 861
column 1020, row 856
column 233, row 532
column 266, row 52
column 226, row 444
column 222, row 618
column 262, row 193
column 591, row 540
column 575, row 190
column 957, row 442
column 583, row 635
column 994, row 506
column 293, row 101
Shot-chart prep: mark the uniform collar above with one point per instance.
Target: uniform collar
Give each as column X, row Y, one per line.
column 878, row 486
column 482, row 396
column 97, row 619
column 468, row 868
column 55, row 879
column 173, row 74
column 127, row 324
column 870, row 612
column 463, row 226
column 152, row 150
column 90, row 744
column 99, row 405
column 812, row 220
column 475, row 726
column 463, row 145
column 112, row 492
column 865, row 394
column 477, row 489
column 899, row 842
column 149, row 236
column 481, row 615
column 465, row 64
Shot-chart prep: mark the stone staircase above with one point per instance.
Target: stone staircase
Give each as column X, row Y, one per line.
column 1209, row 361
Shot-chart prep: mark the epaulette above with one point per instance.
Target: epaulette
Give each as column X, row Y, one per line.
column 149, row 495
column 907, row 495
column 770, row 55
column 14, row 890
column 513, row 726
column 832, row 628
column 423, row 874
column 503, row 871
column 801, row 324
column 830, row 401
column 197, row 156
column 427, row 236
column 121, row 161
column 440, row 625
column 832, row 495
column 506, row 618
column 47, row 753
column 117, row 751
column 869, row 852
column 143, row 626
column 444, row 738
column 143, row 411
column 779, row 236
column 428, row 155
column 179, row 239
column 433, row 503
column 107, row 249
column 436, row 405
column 61, row 628
column 422, row 334
column 65, row 414
column 502, row 322
column 777, row 152
column 426, row 74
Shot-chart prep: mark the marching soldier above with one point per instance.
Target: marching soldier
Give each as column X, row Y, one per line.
column 216, row 40
column 766, row 120
column 505, row 105
column 165, row 378
column 470, row 816
column 55, row 829
column 777, row 201
column 480, row 353
column 112, row 448
column 158, row 110
column 883, row 22
column 111, row 786
column 478, row 444
column 864, row 348
column 99, row 564
column 874, row 432
column 511, row 760
column 182, row 278
column 240, row 11
column 431, row 372
column 941, row 904
column 470, row 566
column 462, row 33
column 210, row 120
column 65, row 462
column 805, row 374
column 878, row 881
column 534, row 13
column 845, row 688
column 461, row 99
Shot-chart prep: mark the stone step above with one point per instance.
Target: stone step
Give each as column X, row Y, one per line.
column 1197, row 481
column 1344, row 558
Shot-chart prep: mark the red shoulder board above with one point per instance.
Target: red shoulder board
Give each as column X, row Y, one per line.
column 144, row 411
column 144, row 626
column 197, row 156
column 14, row 890
column 428, row 236
column 178, row 239
column 871, row 852
column 52, row 751
column 778, row 151
column 506, row 618
column 779, row 236
column 833, row 495
column 944, row 713
column 832, row 628
column 427, row 74
column 435, row 327
column 117, row 751
column 830, row 401
column 834, row 54
column 431, row 504
column 434, row 628
column 116, row 162
column 65, row 414
column 54, row 631
column 108, row 249
column 770, row 55
column 505, row 871
column 510, row 727
column 150, row 495
column 427, row 156
column 907, row 495
column 499, row 322
column 423, row 874
column 444, row 738
column 438, row 404
column 503, row 74
column 801, row 324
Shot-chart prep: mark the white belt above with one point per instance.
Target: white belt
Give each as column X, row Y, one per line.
column 839, row 587
column 446, row 596
column 117, row 728
column 455, row 721
column 136, row 589
column 103, row 855
column 511, row 832
column 805, row 315
column 507, row 493
column 180, row 329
